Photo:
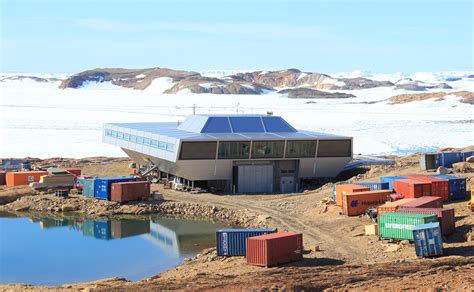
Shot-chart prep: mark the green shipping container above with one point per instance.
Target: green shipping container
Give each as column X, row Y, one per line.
column 88, row 228
column 88, row 189
column 400, row 225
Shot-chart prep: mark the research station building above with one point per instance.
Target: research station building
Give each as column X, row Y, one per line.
column 233, row 153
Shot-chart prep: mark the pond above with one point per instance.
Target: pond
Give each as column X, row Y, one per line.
column 55, row 251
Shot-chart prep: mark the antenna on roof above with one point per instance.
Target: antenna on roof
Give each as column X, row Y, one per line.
column 269, row 113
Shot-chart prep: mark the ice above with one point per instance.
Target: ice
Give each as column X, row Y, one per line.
column 41, row 120
column 139, row 76
column 302, row 75
column 207, row 85
column 333, row 81
column 248, row 86
column 93, row 85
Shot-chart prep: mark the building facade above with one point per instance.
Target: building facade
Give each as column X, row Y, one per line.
column 233, row 153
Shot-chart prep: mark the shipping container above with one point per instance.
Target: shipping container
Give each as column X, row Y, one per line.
column 398, row 225
column 274, row 249
column 233, row 242
column 128, row 228
column 102, row 186
column 3, row 178
column 456, row 186
column 73, row 170
column 466, row 154
column 373, row 186
column 88, row 228
column 447, row 159
column 389, row 180
column 342, row 189
column 411, row 189
column 102, row 230
column 439, row 187
column 88, row 187
column 129, row 191
column 428, row 241
column 429, row 161
column 356, row 203
column 445, row 216
column 425, row 202
column 392, row 206
column 79, row 182
column 23, row 177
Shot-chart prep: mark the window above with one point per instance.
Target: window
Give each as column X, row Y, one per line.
column 133, row 138
column 107, row 132
column 334, row 148
column 120, row 135
column 268, row 149
column 126, row 137
column 154, row 143
column 139, row 140
column 229, row 150
column 169, row 147
column 301, row 149
column 113, row 133
column 162, row 145
column 147, row 141
column 198, row 150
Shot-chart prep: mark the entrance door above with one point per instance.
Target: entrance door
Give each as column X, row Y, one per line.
column 255, row 179
column 287, row 184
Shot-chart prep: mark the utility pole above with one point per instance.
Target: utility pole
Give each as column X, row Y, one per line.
column 194, row 109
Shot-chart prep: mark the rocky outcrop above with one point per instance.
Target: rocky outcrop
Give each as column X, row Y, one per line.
column 216, row 86
column 465, row 97
column 360, row 83
column 313, row 93
column 414, row 85
column 27, row 78
column 130, row 78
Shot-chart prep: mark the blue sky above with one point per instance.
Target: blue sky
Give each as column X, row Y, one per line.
column 324, row 36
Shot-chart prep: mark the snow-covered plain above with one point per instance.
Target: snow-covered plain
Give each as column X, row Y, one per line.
column 40, row 120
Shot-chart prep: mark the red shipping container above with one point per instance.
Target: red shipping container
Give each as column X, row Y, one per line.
column 392, row 206
column 23, row 178
column 343, row 189
column 3, row 178
column 439, row 187
column 129, row 191
column 274, row 249
column 356, row 203
column 445, row 216
column 411, row 189
column 425, row 202
column 73, row 170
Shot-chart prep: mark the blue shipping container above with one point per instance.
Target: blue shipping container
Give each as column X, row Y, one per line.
column 102, row 230
column 448, row 158
column 373, row 186
column 456, row 186
column 428, row 241
column 466, row 154
column 233, row 242
column 389, row 180
column 102, row 186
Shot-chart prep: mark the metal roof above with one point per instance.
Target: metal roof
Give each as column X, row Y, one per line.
column 229, row 127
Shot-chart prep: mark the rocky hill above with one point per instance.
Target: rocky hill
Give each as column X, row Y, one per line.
column 313, row 93
column 465, row 97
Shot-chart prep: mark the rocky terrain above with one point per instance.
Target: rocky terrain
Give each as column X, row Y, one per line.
column 465, row 97
column 27, row 77
column 313, row 93
column 256, row 82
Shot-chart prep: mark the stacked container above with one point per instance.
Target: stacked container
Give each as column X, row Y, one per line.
column 102, row 186
column 3, row 178
column 356, row 203
column 425, row 202
column 79, row 183
column 428, row 241
column 439, row 187
column 389, row 180
column 23, row 177
column 466, row 154
column 233, row 242
column 456, row 186
column 102, row 230
column 448, row 158
column 129, row 228
column 445, row 216
column 341, row 190
column 398, row 225
column 88, row 187
column 129, row 191
column 411, row 189
column 274, row 249
column 392, row 206
column 73, row 170
column 373, row 186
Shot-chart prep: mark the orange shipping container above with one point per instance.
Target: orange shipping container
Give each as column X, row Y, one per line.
column 392, row 206
column 412, row 189
column 439, row 187
column 23, row 177
column 73, row 170
column 344, row 189
column 356, row 203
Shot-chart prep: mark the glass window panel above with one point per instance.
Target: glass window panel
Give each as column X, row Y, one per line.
column 334, row 148
column 198, row 150
column 107, row 132
column 169, row 147
column 147, row 141
column 268, row 149
column 246, row 124
column 139, row 140
column 237, row 149
column 162, row 145
column 114, row 133
column 301, row 149
column 154, row 143
column 217, row 125
column 133, row 138
column 126, row 136
column 120, row 135
column 277, row 124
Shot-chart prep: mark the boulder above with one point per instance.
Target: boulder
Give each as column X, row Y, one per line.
column 442, row 170
column 470, row 159
column 463, row 166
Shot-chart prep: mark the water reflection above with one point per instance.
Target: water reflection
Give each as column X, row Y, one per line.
column 53, row 251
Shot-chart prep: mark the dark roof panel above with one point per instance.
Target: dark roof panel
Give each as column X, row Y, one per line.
column 247, row 125
column 277, row 125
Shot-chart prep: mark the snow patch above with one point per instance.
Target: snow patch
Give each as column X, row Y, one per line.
column 160, row 85
column 302, row 75
column 248, row 86
column 105, row 85
column 140, row 76
column 334, row 82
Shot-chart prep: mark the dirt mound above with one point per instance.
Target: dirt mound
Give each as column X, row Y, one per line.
column 465, row 97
